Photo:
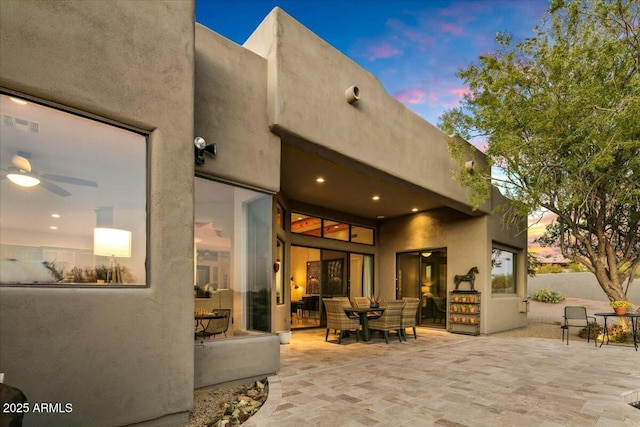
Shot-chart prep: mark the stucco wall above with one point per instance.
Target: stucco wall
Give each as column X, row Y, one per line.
column 307, row 81
column 230, row 110
column 119, row 356
column 504, row 309
column 468, row 242
column 464, row 237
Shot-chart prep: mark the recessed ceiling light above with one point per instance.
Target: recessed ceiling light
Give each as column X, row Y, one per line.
column 53, row 227
column 18, row 101
column 376, row 198
column 414, row 210
column 380, row 216
column 55, row 215
column 320, row 179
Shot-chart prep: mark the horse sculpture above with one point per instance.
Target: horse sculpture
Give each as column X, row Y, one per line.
column 469, row 277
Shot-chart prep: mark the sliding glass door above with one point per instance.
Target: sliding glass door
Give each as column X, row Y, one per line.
column 324, row 273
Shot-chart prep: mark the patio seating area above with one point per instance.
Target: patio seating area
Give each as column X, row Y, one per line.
column 450, row 379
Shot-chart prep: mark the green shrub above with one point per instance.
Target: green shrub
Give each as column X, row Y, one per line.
column 619, row 334
column 547, row 295
column 576, row 267
column 595, row 329
column 550, row 268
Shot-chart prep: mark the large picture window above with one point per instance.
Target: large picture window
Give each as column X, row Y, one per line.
column 503, row 271
column 233, row 254
column 72, row 199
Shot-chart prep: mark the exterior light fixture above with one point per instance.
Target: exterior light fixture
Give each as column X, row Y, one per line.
column 201, row 146
column 320, row 180
column 470, row 165
column 375, row 198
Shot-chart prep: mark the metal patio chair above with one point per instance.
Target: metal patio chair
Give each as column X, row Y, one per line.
column 576, row 317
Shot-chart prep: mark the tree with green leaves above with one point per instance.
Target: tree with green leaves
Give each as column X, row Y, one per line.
column 560, row 115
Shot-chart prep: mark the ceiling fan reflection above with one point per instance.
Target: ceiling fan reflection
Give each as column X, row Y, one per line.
column 21, row 173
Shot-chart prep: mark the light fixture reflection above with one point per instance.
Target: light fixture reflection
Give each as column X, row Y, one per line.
column 23, row 180
column 18, row 101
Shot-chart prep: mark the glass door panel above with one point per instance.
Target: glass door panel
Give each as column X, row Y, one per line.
column 423, row 274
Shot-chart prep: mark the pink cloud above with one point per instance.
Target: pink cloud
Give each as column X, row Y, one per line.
column 382, row 50
column 452, row 28
column 459, row 91
column 411, row 96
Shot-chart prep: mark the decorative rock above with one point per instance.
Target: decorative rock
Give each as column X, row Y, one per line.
column 239, row 404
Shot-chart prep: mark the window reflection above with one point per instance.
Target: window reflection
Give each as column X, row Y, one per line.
column 503, row 271
column 233, row 245
column 79, row 168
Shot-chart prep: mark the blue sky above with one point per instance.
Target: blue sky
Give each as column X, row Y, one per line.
column 414, row 47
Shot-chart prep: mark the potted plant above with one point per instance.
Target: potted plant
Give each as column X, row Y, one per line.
column 374, row 301
column 101, row 272
column 620, row 307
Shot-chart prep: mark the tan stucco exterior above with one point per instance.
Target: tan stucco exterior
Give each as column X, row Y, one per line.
column 125, row 356
column 119, row 356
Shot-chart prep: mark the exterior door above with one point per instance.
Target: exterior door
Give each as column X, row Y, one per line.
column 423, row 274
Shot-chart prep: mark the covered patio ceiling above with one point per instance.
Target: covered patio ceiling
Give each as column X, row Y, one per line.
column 349, row 186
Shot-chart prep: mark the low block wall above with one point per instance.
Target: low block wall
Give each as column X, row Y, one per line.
column 219, row 361
column 578, row 285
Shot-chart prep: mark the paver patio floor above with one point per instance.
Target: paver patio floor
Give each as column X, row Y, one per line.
column 451, row 380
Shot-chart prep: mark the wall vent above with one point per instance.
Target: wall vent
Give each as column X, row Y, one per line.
column 20, row 124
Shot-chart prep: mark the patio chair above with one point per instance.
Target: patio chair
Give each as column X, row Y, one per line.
column 576, row 317
column 345, row 301
column 440, row 309
column 390, row 320
column 361, row 301
column 338, row 320
column 218, row 326
column 309, row 304
column 347, row 304
column 408, row 319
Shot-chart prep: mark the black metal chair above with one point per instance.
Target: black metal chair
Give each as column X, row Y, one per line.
column 440, row 306
column 576, row 317
column 309, row 304
column 218, row 326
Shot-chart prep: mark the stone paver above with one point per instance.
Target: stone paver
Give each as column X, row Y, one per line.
column 445, row 379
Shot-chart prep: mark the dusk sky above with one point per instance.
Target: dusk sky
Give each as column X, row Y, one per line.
column 414, row 47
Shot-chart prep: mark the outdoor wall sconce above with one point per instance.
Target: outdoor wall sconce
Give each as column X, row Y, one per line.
column 352, row 94
column 201, row 146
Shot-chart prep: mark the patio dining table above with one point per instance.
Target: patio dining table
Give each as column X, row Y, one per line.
column 363, row 313
column 634, row 325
